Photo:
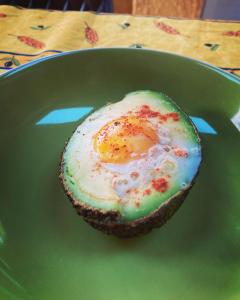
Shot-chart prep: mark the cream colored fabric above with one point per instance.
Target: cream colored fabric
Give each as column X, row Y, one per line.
column 27, row 34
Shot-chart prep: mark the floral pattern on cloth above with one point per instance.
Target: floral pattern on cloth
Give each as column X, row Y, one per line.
column 41, row 33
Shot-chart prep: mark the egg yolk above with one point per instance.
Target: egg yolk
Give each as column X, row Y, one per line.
column 124, row 139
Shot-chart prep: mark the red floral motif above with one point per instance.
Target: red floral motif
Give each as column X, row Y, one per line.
column 232, row 33
column 160, row 185
column 30, row 41
column 91, row 35
column 166, row 28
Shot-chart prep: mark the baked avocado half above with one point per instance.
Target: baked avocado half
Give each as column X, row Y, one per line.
column 129, row 165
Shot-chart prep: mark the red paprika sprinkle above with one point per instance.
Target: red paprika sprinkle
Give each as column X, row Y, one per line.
column 2, row 15
column 174, row 116
column 146, row 112
column 160, row 185
column 134, row 175
column 147, row 192
column 180, row 152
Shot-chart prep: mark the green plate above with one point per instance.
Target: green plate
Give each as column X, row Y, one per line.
column 47, row 251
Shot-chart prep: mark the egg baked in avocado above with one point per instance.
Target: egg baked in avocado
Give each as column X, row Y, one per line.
column 128, row 166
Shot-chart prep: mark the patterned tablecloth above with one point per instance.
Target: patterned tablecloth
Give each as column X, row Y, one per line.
column 26, row 35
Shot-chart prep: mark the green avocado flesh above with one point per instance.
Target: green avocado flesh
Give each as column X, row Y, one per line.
column 131, row 156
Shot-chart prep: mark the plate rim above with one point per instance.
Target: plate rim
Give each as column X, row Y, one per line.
column 32, row 63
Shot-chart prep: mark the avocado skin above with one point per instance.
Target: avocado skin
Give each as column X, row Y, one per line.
column 110, row 223
column 143, row 225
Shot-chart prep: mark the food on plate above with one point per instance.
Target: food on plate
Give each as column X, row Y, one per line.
column 129, row 165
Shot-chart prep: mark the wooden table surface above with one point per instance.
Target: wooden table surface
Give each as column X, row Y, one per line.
column 169, row 8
